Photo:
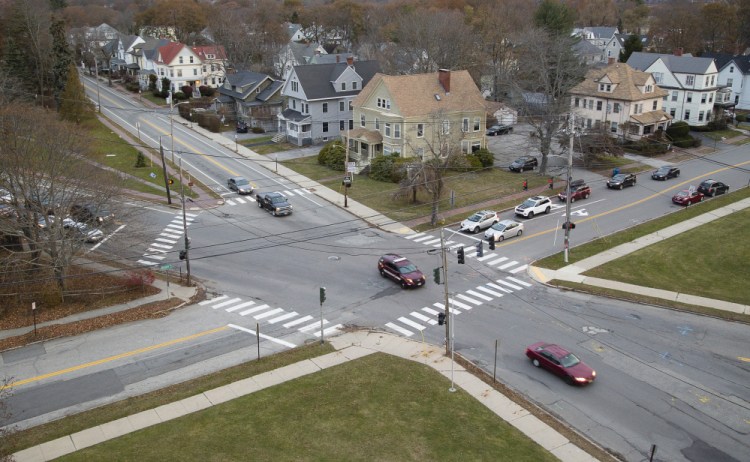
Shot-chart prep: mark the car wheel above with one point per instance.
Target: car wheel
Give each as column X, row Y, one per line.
column 530, row 215
column 621, row 187
column 382, row 272
column 586, row 196
column 677, row 174
column 501, row 238
column 273, row 212
column 403, row 285
column 548, row 209
column 535, row 362
column 572, row 199
column 475, row 229
column 570, row 380
column 520, row 231
column 260, row 204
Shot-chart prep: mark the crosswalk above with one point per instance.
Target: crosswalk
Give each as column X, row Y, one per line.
column 240, row 200
column 417, row 321
column 276, row 317
column 172, row 235
column 489, row 258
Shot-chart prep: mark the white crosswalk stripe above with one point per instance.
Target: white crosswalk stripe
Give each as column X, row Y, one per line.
column 411, row 323
column 154, row 251
column 229, row 202
column 268, row 313
column 446, row 244
column 495, row 262
column 474, row 293
column 414, row 236
column 312, row 326
column 155, row 257
column 283, row 317
column 168, row 241
column 508, row 265
column 468, row 299
column 225, row 303
column 238, row 307
column 518, row 281
column 239, row 200
column 491, row 292
column 399, row 329
column 148, row 263
column 487, row 257
column 329, row 330
column 431, row 242
column 162, row 246
column 495, row 286
column 423, row 318
column 424, row 238
column 508, row 284
column 297, row 321
column 212, row 300
column 171, row 235
column 430, row 311
column 254, row 310
column 519, row 269
column 454, row 304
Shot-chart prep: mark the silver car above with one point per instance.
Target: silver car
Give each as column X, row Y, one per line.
column 82, row 231
column 503, row 229
column 479, row 221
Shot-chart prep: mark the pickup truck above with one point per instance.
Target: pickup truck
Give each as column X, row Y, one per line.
column 274, row 202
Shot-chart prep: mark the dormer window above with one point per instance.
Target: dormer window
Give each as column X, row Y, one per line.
column 210, row 56
column 191, row 60
column 181, row 59
column 343, row 86
column 354, row 85
column 649, row 88
column 605, row 87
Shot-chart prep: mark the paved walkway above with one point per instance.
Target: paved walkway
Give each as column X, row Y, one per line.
column 349, row 346
column 574, row 272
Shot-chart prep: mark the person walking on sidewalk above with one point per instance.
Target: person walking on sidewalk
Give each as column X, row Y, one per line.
column 525, row 185
column 551, row 183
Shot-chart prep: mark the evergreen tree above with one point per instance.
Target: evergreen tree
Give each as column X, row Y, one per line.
column 555, row 17
column 62, row 58
column 632, row 44
column 74, row 105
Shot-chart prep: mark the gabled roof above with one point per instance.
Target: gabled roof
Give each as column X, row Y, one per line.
column 626, row 82
column 601, row 32
column 415, row 95
column 586, row 48
column 724, row 59
column 216, row 50
column 270, row 90
column 128, row 40
column 151, row 47
column 303, row 52
column 685, row 64
column 245, row 82
column 317, row 79
column 169, row 51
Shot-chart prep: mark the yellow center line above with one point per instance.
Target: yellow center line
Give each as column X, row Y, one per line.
column 113, row 358
column 640, row 201
column 743, row 359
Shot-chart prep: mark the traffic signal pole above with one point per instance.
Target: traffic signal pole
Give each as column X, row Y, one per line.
column 164, row 167
column 571, row 128
column 184, row 226
column 448, row 340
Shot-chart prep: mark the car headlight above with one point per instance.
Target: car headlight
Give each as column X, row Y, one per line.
column 581, row 379
column 277, row 209
column 408, row 280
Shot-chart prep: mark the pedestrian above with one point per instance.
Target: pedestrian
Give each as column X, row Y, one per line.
column 525, row 185
column 551, row 183
column 615, row 171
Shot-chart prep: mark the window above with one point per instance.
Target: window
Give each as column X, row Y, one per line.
column 213, row 80
column 477, row 123
column 672, row 112
column 638, row 108
column 181, row 59
column 578, row 100
column 294, row 104
column 325, row 127
column 295, row 85
column 729, row 82
column 387, row 129
column 341, row 106
column 351, row 124
column 689, row 97
column 588, row 123
column 617, row 108
column 658, row 76
column 397, row 131
column 653, row 107
column 700, row 116
column 354, row 85
column 613, row 127
column 191, row 60
column 351, row 105
column 342, row 125
column 731, row 69
column 377, row 124
column 598, row 105
column 171, row 72
column 705, row 84
column 591, row 104
column 690, row 80
column 179, row 72
column 465, row 125
column 325, row 108
column 195, row 71
column 213, row 68
column 649, row 88
column 446, row 127
column 343, row 86
column 713, row 80
column 711, row 98
column 674, row 95
column 687, row 115
column 419, row 152
column 361, row 120
column 204, row 69
column 420, row 130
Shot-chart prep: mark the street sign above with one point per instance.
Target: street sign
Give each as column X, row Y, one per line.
column 166, row 267
column 351, row 167
column 152, row 175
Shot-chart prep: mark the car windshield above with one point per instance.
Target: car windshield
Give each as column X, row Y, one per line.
column 529, row 203
column 520, row 160
column 277, row 199
column 475, row 217
column 663, row 170
column 499, row 227
column 569, row 360
column 407, row 268
column 619, row 177
column 683, row 193
column 241, row 181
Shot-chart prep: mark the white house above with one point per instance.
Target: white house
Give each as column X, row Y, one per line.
column 734, row 76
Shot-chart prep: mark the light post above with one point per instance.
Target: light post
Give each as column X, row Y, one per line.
column 171, row 125
column 164, row 169
column 184, row 226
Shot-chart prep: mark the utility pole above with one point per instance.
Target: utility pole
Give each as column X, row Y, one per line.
column 448, row 340
column 571, row 131
column 346, row 169
column 96, row 74
column 184, row 227
column 164, row 168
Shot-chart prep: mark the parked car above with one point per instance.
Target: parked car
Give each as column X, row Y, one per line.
column 91, row 214
column 560, row 362
column 241, row 126
column 499, row 130
column 578, row 190
column 666, row 172
column 82, row 231
column 240, row 184
column 687, row 197
column 713, row 188
column 523, row 163
column 274, row 202
column 400, row 270
column 503, row 229
column 479, row 221
column 534, row 205
column 621, row 180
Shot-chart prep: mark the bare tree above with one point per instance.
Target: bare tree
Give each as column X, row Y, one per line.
column 547, row 70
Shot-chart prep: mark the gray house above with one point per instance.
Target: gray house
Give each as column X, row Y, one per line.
column 252, row 97
column 319, row 99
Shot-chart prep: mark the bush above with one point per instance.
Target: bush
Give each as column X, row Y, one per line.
column 258, row 130
column 140, row 160
column 187, row 90
column 138, row 278
column 486, row 158
column 132, row 86
column 741, row 117
column 679, row 130
column 179, row 96
column 207, row 91
column 333, row 155
column 383, row 168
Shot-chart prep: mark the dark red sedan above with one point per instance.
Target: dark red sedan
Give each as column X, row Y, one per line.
column 560, row 362
column 400, row 270
column 687, row 197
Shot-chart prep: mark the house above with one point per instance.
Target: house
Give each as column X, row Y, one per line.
column 252, row 97
column 588, row 53
column 624, row 101
column 214, row 61
column 144, row 55
column 295, row 54
column 600, row 37
column 189, row 66
column 692, row 84
column 319, row 99
column 412, row 114
column 734, row 77
column 121, row 49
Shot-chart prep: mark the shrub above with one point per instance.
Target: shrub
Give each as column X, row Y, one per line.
column 333, row 155
column 741, row 118
column 179, row 96
column 152, row 78
column 382, row 168
column 187, row 90
column 140, row 160
column 258, row 130
column 679, row 130
column 206, row 91
column 486, row 158
column 132, row 87
column 138, row 278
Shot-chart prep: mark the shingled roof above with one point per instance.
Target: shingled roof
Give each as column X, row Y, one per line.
column 316, row 79
column 626, row 82
column 419, row 94
column 685, row 64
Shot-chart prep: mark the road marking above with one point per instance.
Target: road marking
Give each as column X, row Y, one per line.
column 508, row 265
column 431, row 242
column 474, row 293
column 283, row 317
column 519, row 269
column 171, row 236
column 268, row 313
column 523, row 283
column 227, row 302
column 579, row 213
column 495, row 286
column 155, row 257
column 312, row 326
column 229, row 201
column 414, row 236
column 453, row 308
column 239, row 200
column 147, row 263
column 263, row 336
column 487, row 257
column 430, row 311
column 212, row 300
column 423, row 318
column 468, row 299
column 743, row 359
column 423, row 238
column 238, row 307
column 505, row 283
column 491, row 292
column 411, row 323
column 297, row 321
column 398, row 329
column 159, row 251
column 499, row 260
column 253, row 310
column 329, row 330
column 455, row 303
column 162, row 246
column 114, row 358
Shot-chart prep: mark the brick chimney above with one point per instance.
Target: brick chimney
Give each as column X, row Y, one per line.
column 444, row 76
column 610, row 60
column 350, row 60
column 678, row 51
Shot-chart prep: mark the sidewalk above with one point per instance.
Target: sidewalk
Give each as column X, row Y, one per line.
column 574, row 272
column 349, row 346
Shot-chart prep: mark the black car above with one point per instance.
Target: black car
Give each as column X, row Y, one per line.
column 240, row 184
column 274, row 202
column 621, row 180
column 400, row 270
column 713, row 188
column 241, row 127
column 91, row 214
column 666, row 172
column 523, row 163
column 499, row 130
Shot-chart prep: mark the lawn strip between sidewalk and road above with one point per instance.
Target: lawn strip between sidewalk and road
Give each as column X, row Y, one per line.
column 376, row 407
column 107, row 413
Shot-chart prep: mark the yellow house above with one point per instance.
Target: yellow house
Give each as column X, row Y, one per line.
column 416, row 116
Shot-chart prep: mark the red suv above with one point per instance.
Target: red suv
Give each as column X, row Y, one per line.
column 578, row 190
column 400, row 270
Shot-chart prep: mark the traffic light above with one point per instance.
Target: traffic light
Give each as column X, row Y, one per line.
column 436, row 275
column 480, row 248
column 170, row 181
column 441, row 319
column 322, row 295
column 461, row 259
column 491, row 243
column 183, row 254
column 568, row 225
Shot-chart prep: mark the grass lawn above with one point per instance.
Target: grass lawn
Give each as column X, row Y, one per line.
column 470, row 188
column 376, row 408
column 710, row 261
column 719, row 134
